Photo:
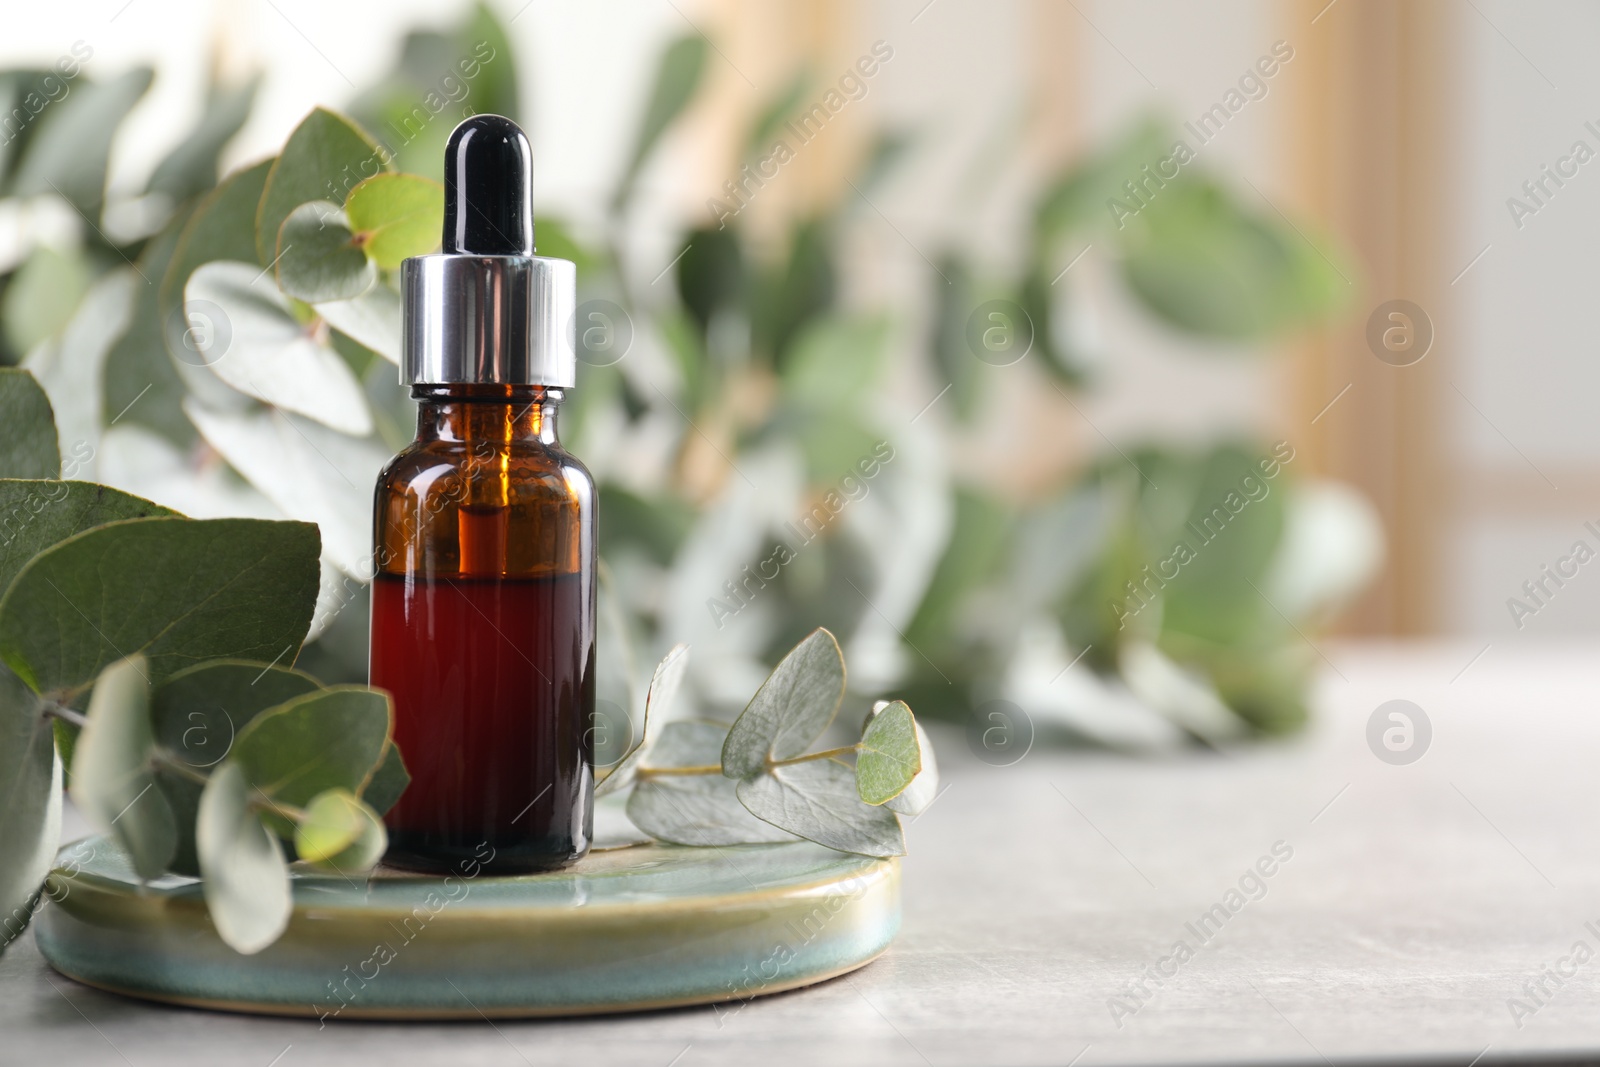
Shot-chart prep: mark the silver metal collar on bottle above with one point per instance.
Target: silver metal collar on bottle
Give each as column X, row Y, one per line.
column 500, row 320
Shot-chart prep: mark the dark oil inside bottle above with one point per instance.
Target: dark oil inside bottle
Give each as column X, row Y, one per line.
column 490, row 683
column 483, row 634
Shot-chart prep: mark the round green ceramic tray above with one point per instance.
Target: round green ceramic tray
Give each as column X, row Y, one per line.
column 642, row 927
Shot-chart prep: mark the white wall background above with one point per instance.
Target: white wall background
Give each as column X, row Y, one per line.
column 1523, row 345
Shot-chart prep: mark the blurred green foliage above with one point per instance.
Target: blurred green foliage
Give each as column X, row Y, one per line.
column 770, row 388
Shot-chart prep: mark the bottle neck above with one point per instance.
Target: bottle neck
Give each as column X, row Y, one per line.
column 494, row 413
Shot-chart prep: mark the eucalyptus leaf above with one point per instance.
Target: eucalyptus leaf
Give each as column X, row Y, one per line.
column 191, row 166
column 244, row 876
column 38, row 513
column 388, row 782
column 694, row 809
column 1206, row 266
column 763, row 133
column 1078, row 197
column 223, row 226
column 319, row 257
column 325, row 157
column 71, row 367
column 836, row 356
column 340, row 833
column 142, row 386
column 263, row 352
column 790, row 710
column 1233, row 524
column 42, row 294
column 364, row 850
column 197, row 714
column 712, row 278
column 23, row 89
column 176, row 590
column 954, row 301
column 28, row 448
column 664, row 685
column 817, row 800
column 332, row 822
column 676, row 79
column 113, row 781
column 307, row 471
column 30, row 803
column 805, row 288
column 69, row 153
column 889, row 756
column 331, row 739
column 371, row 319
column 396, row 216
column 924, row 787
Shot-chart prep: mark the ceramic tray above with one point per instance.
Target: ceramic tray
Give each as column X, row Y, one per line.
column 641, row 927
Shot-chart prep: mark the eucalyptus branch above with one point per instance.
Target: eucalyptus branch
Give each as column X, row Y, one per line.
column 716, row 768
column 66, row 714
column 260, row 801
column 827, row 753
column 169, row 762
column 664, row 772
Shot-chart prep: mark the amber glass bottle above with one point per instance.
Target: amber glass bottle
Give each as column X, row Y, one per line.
column 483, row 602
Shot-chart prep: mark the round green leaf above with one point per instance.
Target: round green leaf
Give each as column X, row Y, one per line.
column 113, row 782
column 223, row 226
column 28, row 448
column 30, row 803
column 333, row 821
column 663, row 688
column 69, row 153
column 371, row 320
column 790, row 710
column 191, row 166
column 197, row 715
column 817, row 800
column 694, row 809
column 924, row 788
column 35, row 514
column 42, row 295
column 1205, row 265
column 176, row 590
column 324, row 158
column 388, row 782
column 319, row 258
column 306, row 470
column 396, row 216
column 330, row 739
column 256, row 346
column 244, row 876
column 340, row 833
column 889, row 756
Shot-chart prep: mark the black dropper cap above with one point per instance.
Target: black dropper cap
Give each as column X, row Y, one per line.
column 488, row 189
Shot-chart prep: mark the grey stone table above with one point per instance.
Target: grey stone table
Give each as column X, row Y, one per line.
column 1433, row 910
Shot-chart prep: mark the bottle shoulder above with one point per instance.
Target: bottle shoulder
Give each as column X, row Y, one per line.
column 425, row 467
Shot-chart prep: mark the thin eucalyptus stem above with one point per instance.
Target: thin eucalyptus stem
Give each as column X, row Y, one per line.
column 711, row 768
column 828, row 753
column 287, row 811
column 261, row 802
column 665, row 772
column 177, row 766
column 66, row 714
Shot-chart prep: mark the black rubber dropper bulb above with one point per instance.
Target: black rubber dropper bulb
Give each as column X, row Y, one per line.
column 488, row 189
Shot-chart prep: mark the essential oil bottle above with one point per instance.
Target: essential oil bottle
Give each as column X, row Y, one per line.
column 483, row 604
